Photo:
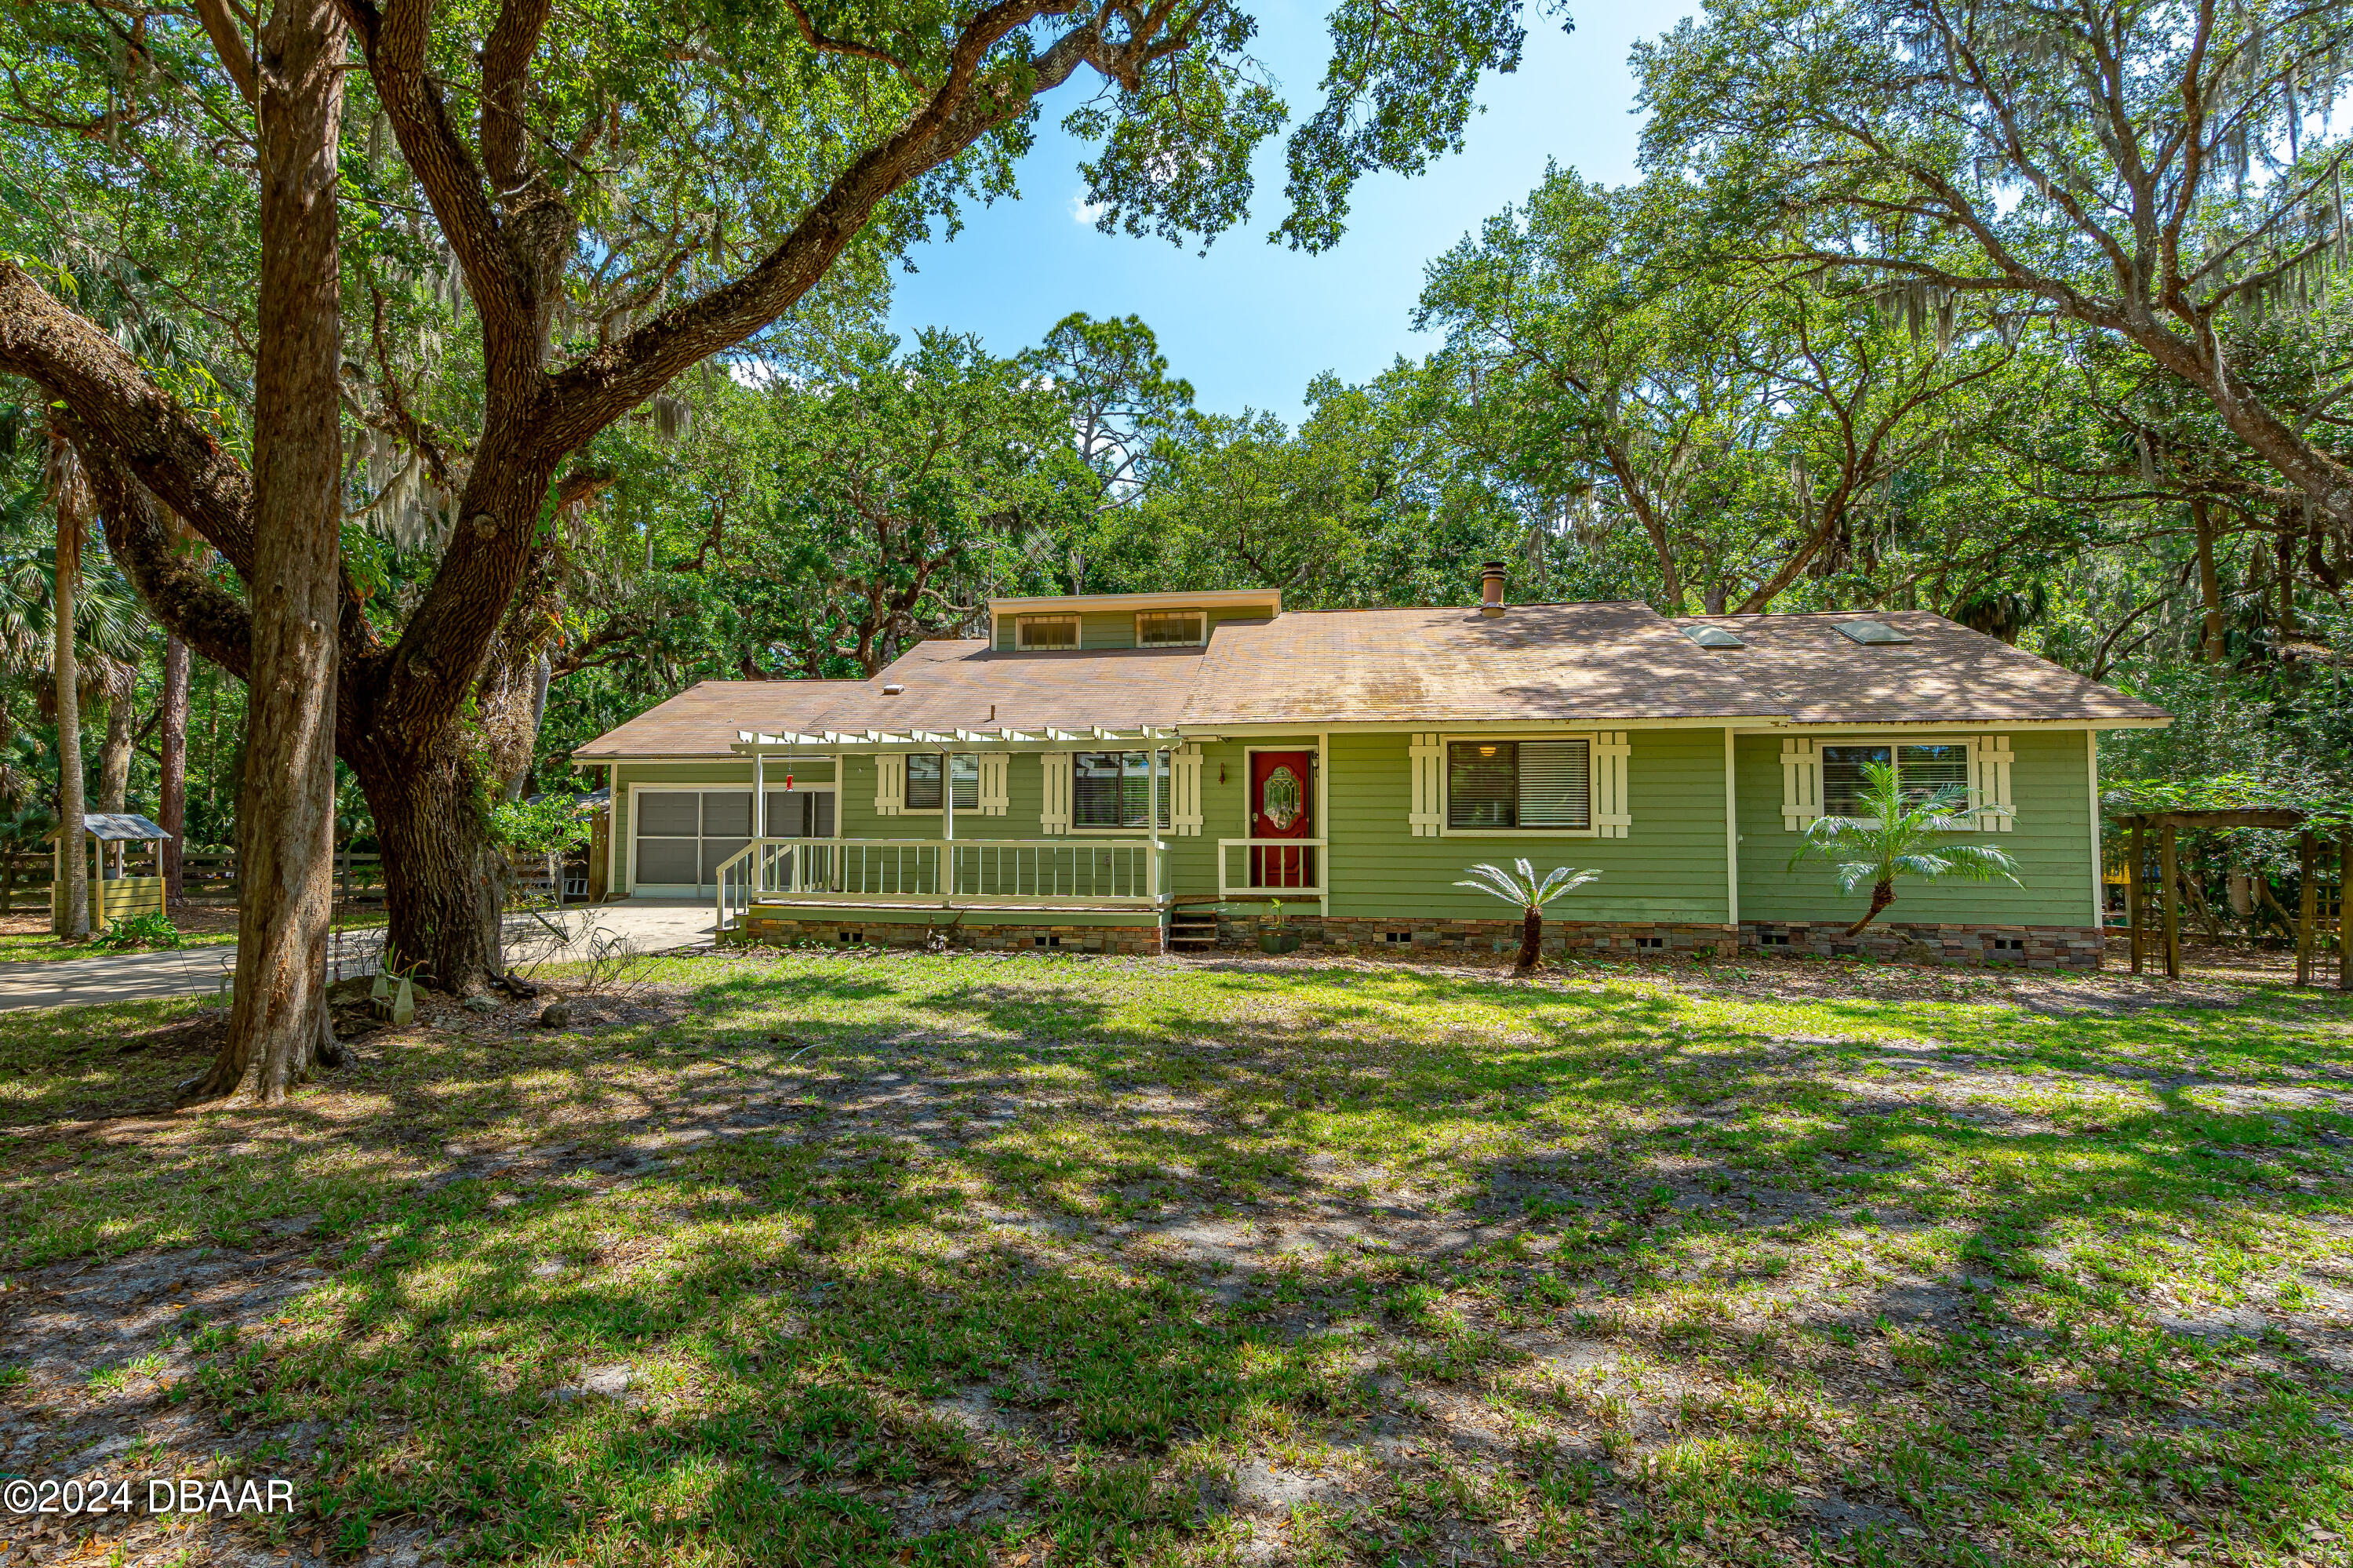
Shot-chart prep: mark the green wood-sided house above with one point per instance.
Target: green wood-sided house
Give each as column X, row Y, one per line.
column 1135, row 772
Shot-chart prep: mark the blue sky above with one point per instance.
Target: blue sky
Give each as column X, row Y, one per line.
column 1252, row 321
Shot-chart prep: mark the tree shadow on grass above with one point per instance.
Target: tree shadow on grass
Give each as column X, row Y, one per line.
column 809, row 1303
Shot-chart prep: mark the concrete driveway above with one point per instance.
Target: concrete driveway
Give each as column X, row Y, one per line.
column 652, row 926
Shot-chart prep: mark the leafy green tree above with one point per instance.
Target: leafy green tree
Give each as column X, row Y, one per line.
column 1624, row 365
column 545, row 222
column 909, row 487
column 1904, row 833
column 1124, row 409
column 2144, row 171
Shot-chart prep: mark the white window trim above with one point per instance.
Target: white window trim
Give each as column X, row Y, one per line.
column 979, row 810
column 1021, row 625
column 1983, row 759
column 1167, row 797
column 1201, row 616
column 1595, row 739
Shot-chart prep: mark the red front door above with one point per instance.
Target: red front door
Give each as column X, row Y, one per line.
column 1281, row 797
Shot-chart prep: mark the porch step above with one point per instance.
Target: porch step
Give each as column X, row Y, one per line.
column 1191, row 933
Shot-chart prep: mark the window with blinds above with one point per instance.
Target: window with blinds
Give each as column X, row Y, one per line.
column 1843, row 777
column 1537, row 784
column 1114, row 789
column 1927, row 771
column 923, row 779
column 1923, row 772
column 1555, row 783
column 1171, row 627
column 1046, row 631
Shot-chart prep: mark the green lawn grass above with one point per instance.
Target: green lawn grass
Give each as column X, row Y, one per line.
column 836, row 1257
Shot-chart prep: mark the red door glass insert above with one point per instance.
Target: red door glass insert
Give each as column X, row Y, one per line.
column 1282, row 807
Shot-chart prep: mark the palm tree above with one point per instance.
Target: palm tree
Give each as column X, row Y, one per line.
column 1904, row 834
column 1531, row 896
column 103, row 655
column 69, row 494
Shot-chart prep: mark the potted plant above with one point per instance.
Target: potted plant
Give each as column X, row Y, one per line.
column 1273, row 936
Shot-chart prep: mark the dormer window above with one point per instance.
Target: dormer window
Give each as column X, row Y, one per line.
column 1171, row 627
column 1042, row 631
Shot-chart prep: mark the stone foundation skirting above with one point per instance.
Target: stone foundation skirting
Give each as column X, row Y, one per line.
column 845, row 930
column 1419, row 934
column 1923, row 942
column 2027, row 947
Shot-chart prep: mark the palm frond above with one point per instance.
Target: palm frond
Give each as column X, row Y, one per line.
column 1903, row 835
column 1523, row 887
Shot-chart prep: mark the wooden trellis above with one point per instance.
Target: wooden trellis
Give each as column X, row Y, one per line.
column 2280, row 819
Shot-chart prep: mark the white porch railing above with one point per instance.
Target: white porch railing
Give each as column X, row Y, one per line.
column 1115, row 873
column 1270, row 868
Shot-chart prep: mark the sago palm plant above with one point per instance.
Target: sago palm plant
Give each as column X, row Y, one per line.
column 1531, row 896
column 1900, row 834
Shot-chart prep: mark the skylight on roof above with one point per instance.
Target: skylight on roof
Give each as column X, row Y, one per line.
column 1871, row 633
column 1712, row 637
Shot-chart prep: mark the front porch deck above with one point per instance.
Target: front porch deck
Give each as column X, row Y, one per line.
column 804, row 886
column 935, row 882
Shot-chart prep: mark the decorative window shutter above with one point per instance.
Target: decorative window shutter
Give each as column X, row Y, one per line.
column 1611, row 816
column 1054, row 816
column 1802, row 786
column 889, row 786
column 1428, row 762
column 1992, row 757
column 1185, row 791
column 992, row 783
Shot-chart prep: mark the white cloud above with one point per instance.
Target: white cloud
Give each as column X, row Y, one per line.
column 1084, row 211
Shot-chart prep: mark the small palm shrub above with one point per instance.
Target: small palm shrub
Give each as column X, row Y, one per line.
column 1531, row 896
column 1903, row 835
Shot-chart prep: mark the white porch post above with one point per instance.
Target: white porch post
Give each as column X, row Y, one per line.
column 759, row 821
column 1152, row 817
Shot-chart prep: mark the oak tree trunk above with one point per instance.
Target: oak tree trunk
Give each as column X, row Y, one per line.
column 2210, row 581
column 444, row 885
column 286, row 810
column 73, row 857
column 172, row 805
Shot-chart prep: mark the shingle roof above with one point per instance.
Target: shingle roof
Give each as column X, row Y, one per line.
column 1537, row 661
column 947, row 683
column 1946, row 674
column 954, row 684
column 1572, row 664
column 701, row 720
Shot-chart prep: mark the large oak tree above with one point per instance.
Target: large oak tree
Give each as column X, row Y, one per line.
column 620, row 192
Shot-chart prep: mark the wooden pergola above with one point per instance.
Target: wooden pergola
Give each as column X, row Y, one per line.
column 2278, row 819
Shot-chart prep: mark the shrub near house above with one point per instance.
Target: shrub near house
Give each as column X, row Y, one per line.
column 1131, row 772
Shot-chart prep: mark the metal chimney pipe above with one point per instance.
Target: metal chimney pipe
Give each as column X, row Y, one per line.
column 1491, row 589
